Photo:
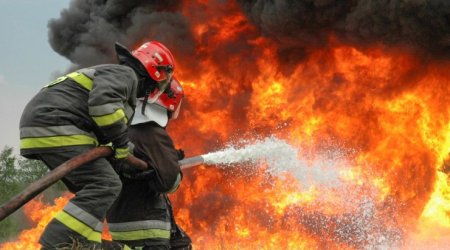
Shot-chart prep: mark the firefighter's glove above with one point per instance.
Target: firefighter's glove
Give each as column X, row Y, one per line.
column 180, row 154
column 121, row 153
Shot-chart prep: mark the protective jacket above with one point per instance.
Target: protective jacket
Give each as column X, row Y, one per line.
column 153, row 144
column 86, row 107
column 142, row 215
column 67, row 117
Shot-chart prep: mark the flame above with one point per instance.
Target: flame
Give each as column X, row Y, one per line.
column 384, row 111
column 40, row 214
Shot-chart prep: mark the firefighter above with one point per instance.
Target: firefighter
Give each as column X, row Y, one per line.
column 79, row 111
column 142, row 216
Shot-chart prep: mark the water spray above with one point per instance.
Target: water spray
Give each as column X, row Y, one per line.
column 278, row 154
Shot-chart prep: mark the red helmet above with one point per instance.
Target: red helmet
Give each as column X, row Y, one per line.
column 157, row 60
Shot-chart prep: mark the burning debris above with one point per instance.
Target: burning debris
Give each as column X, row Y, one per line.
column 367, row 79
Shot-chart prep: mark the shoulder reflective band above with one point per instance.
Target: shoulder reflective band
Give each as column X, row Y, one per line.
column 58, row 80
column 81, row 79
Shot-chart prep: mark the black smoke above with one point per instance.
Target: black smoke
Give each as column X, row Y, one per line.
column 422, row 26
column 86, row 31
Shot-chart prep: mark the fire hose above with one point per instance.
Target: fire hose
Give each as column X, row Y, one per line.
column 59, row 172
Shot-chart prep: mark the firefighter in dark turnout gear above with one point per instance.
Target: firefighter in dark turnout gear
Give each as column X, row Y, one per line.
column 142, row 216
column 77, row 112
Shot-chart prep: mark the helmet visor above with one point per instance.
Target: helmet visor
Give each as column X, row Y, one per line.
column 162, row 85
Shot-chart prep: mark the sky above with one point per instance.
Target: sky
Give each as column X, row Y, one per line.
column 27, row 62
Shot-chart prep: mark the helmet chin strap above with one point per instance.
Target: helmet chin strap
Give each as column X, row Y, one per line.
column 151, row 100
column 148, row 91
column 145, row 102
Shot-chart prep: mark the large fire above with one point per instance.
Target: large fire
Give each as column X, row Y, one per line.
column 383, row 111
column 39, row 213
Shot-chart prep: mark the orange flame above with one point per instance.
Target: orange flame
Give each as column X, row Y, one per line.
column 384, row 110
column 40, row 214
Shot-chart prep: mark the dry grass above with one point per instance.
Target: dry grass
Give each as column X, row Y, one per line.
column 78, row 245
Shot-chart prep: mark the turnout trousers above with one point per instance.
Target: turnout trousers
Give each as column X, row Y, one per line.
column 96, row 186
column 143, row 219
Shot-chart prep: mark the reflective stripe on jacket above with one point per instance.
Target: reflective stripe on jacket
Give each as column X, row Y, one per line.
column 55, row 136
column 139, row 216
column 87, row 107
column 140, row 230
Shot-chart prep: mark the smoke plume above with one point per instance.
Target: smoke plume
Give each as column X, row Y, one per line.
column 420, row 25
column 86, row 31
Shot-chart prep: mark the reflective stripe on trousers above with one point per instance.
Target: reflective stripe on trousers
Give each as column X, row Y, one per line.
column 81, row 222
